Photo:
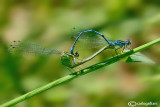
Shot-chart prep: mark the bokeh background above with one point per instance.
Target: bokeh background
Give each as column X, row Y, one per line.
column 49, row 23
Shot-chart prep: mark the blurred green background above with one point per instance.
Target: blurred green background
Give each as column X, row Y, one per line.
column 49, row 23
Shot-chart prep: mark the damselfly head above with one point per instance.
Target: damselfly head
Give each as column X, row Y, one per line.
column 128, row 42
column 76, row 54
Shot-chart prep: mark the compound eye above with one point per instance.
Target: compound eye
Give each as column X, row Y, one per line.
column 128, row 42
column 76, row 54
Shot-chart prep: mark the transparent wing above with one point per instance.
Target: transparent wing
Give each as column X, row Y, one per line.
column 89, row 40
column 93, row 39
column 88, row 43
column 18, row 47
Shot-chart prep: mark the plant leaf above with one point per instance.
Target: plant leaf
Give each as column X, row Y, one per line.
column 139, row 57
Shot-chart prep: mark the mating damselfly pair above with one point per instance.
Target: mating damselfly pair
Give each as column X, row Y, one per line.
column 85, row 39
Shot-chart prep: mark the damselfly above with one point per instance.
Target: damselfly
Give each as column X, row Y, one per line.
column 101, row 39
column 67, row 59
